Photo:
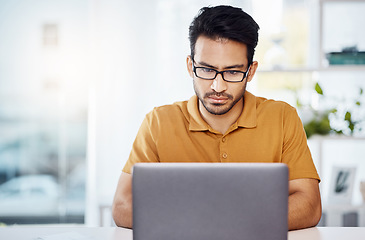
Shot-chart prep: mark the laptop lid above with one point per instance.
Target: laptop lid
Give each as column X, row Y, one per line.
column 208, row 201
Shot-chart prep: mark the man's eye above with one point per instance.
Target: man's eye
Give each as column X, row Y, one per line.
column 207, row 70
column 232, row 72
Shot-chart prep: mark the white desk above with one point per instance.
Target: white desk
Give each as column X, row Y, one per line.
column 97, row 233
column 115, row 233
column 328, row 233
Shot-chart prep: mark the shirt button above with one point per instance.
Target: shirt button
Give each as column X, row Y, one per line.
column 224, row 155
column 224, row 139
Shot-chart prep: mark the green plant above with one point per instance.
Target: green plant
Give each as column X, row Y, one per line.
column 353, row 123
column 320, row 123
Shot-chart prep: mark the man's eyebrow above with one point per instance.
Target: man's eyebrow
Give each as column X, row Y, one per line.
column 234, row 66
column 206, row 65
column 226, row 67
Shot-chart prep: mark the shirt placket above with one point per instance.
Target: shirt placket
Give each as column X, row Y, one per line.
column 223, row 149
column 223, row 144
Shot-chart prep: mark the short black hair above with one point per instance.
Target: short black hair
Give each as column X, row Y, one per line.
column 225, row 22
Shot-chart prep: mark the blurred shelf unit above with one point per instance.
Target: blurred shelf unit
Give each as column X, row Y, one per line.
column 348, row 60
column 335, row 215
column 341, row 214
column 319, row 140
column 341, row 68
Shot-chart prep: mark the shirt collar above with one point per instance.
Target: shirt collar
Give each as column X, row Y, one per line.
column 197, row 123
column 247, row 118
column 248, row 115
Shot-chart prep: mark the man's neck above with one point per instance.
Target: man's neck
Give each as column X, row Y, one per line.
column 222, row 123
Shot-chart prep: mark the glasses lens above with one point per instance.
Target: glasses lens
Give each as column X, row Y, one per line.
column 206, row 73
column 233, row 76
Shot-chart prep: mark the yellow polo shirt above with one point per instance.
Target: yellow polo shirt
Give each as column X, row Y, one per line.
column 266, row 131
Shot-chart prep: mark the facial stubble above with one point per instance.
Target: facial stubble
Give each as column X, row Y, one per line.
column 217, row 110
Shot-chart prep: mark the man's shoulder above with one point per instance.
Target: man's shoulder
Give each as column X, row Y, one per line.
column 272, row 104
column 174, row 107
column 170, row 111
column 167, row 118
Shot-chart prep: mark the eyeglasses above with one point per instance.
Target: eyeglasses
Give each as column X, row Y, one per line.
column 227, row 75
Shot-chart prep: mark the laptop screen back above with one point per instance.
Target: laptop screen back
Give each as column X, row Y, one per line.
column 180, row 201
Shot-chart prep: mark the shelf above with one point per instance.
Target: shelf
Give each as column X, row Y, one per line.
column 336, row 137
column 325, row 1
column 322, row 52
column 334, row 68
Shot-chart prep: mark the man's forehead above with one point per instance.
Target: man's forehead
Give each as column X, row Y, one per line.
column 220, row 52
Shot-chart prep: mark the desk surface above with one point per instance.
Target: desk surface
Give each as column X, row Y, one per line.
column 114, row 233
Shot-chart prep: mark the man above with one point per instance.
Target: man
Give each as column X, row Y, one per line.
column 224, row 122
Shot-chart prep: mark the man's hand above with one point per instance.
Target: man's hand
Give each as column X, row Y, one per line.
column 305, row 207
column 122, row 204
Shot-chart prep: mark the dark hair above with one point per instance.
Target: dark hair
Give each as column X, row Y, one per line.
column 225, row 22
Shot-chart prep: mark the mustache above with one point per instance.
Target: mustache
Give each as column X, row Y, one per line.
column 229, row 96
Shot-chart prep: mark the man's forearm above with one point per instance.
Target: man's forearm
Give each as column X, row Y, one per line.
column 122, row 215
column 122, row 204
column 303, row 211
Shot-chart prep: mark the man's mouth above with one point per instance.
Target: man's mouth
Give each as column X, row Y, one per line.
column 218, row 99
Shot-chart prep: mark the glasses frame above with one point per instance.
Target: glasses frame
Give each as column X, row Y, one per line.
column 221, row 73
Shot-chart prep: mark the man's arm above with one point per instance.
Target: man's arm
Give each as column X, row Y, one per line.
column 304, row 203
column 122, row 204
column 305, row 207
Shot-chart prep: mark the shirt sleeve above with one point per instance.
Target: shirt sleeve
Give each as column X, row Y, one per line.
column 144, row 147
column 296, row 153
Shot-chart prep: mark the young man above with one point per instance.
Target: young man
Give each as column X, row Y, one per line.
column 224, row 122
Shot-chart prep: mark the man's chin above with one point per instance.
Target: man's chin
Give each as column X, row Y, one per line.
column 218, row 109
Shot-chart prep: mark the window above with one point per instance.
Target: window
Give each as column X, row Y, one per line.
column 43, row 111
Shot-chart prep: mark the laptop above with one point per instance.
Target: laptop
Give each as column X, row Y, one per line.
column 210, row 201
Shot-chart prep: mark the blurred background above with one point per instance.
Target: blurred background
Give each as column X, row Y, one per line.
column 78, row 76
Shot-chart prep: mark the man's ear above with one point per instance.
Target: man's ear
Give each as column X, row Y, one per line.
column 252, row 71
column 189, row 66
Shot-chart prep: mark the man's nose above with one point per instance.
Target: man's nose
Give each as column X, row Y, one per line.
column 219, row 85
